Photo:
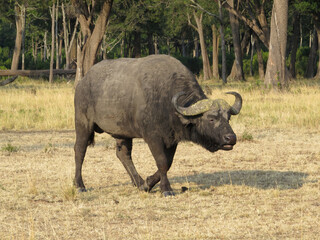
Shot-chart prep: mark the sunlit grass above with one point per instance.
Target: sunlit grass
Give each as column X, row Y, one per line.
column 299, row 107
column 37, row 105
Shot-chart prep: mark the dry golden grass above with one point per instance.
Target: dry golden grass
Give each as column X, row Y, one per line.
column 29, row 105
column 268, row 187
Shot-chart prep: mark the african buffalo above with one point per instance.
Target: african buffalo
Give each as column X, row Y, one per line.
column 155, row 98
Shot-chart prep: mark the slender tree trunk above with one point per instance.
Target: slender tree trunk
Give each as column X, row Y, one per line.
column 207, row 74
column 72, row 46
column 237, row 72
column 57, row 36
column 295, row 42
column 259, row 57
column 276, row 73
column 215, row 50
column 223, row 48
column 52, row 41
column 251, row 56
column 65, row 36
column 196, row 47
column 155, row 43
column 45, row 55
column 19, row 35
column 36, row 51
column 104, row 47
column 23, row 13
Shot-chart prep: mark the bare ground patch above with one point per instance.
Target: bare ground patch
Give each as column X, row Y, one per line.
column 266, row 188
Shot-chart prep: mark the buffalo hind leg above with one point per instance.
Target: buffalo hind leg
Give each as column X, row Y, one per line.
column 84, row 137
column 164, row 157
column 124, row 149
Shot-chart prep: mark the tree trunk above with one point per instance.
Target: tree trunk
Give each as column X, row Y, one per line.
column 57, row 36
column 215, row 50
column 295, row 42
column 155, row 43
column 45, row 49
column 237, row 71
column 52, row 41
column 92, row 32
column 251, row 56
column 23, row 13
column 196, row 48
column 65, row 36
column 262, row 18
column 19, row 35
column 223, row 47
column 207, row 74
column 276, row 73
column 259, row 57
column 312, row 56
column 254, row 25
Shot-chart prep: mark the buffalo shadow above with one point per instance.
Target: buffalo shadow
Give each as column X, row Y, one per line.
column 252, row 178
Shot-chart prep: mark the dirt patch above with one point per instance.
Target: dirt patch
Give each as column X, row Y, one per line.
column 266, row 188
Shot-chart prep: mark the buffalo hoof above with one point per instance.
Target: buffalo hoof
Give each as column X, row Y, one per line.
column 144, row 187
column 81, row 190
column 168, row 194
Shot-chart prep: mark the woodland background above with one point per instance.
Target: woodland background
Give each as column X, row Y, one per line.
column 213, row 38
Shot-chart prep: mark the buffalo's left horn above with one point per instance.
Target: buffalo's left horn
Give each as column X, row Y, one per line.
column 236, row 107
column 195, row 109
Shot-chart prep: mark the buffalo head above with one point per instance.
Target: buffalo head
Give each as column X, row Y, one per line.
column 208, row 121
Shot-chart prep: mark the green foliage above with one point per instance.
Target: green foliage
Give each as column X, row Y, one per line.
column 302, row 60
column 193, row 64
column 255, row 65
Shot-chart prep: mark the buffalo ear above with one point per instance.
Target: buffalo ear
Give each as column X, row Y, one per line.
column 183, row 120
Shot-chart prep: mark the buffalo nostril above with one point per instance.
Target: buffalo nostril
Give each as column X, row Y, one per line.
column 230, row 138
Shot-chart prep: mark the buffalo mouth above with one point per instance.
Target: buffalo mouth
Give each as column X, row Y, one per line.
column 227, row 147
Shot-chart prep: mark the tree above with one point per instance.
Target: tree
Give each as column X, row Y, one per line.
column 207, row 74
column 215, row 49
column 276, row 72
column 256, row 19
column 93, row 27
column 53, row 12
column 20, row 17
column 237, row 69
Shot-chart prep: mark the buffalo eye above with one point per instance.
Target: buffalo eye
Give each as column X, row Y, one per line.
column 213, row 118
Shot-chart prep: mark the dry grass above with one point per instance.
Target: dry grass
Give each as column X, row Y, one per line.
column 29, row 105
column 268, row 187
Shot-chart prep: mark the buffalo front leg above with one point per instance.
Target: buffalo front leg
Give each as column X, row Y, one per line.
column 164, row 157
column 124, row 149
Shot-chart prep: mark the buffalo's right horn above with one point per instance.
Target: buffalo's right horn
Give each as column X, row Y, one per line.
column 236, row 107
column 195, row 109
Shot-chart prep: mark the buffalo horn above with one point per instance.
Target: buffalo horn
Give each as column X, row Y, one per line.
column 195, row 109
column 236, row 107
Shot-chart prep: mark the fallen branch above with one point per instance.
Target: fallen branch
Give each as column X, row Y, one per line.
column 35, row 72
column 8, row 80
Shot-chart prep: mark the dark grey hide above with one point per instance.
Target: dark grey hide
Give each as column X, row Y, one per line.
column 155, row 98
